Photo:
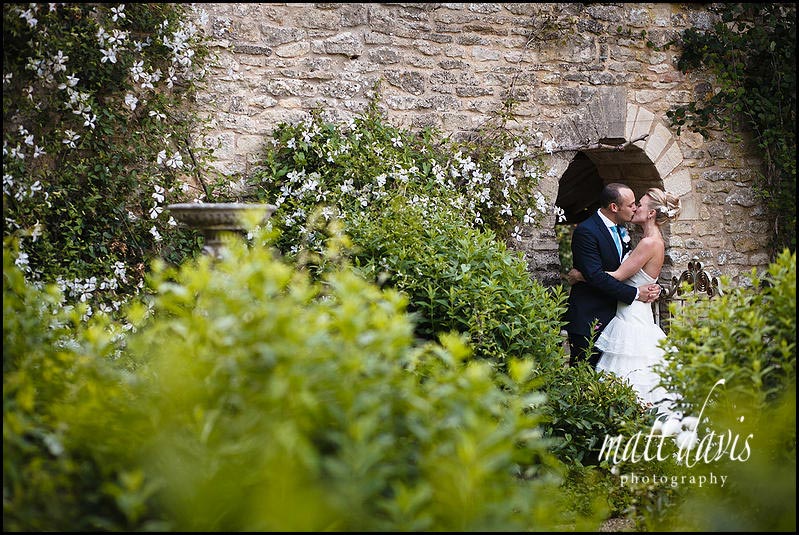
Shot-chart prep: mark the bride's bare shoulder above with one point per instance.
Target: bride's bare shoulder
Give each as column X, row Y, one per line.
column 651, row 242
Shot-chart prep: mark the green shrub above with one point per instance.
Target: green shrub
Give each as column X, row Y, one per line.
column 583, row 406
column 53, row 360
column 425, row 217
column 348, row 167
column 747, row 337
column 759, row 494
column 287, row 404
column 461, row 279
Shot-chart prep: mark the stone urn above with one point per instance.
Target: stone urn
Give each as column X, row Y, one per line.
column 217, row 220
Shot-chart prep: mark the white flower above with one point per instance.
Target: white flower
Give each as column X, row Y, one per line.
column 37, row 231
column 22, row 260
column 175, row 161
column 540, row 202
column 71, row 138
column 529, row 217
column 159, row 193
column 137, row 70
column 28, row 15
column 689, row 423
column 131, row 101
column 154, row 232
column 90, row 121
column 686, row 440
column 58, row 62
column 671, row 212
column 671, row 427
column 657, row 427
column 119, row 270
column 118, row 12
column 109, row 55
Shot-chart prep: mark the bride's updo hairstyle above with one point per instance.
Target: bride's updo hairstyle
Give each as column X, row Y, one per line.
column 667, row 207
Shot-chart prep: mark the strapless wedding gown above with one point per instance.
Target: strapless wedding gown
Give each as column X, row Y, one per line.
column 629, row 345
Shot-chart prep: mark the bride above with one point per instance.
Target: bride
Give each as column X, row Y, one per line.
column 629, row 343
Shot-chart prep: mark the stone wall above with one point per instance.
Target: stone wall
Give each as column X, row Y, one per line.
column 582, row 75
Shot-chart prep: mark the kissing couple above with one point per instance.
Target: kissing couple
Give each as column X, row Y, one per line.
column 613, row 286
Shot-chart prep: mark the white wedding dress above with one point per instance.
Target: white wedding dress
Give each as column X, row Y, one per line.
column 629, row 345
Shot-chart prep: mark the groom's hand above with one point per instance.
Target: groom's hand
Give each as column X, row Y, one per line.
column 648, row 292
column 574, row 276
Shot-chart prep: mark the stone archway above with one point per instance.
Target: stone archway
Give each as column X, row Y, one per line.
column 596, row 148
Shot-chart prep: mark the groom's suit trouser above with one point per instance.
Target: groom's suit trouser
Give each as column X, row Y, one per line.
column 578, row 346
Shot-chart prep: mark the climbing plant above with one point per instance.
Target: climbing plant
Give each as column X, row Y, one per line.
column 96, row 140
column 751, row 51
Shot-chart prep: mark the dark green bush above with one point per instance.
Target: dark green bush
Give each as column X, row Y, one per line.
column 583, row 406
column 460, row 279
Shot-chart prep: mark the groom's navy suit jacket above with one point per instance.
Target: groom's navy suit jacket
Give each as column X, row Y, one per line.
column 594, row 252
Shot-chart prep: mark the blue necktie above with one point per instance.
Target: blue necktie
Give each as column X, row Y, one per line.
column 617, row 235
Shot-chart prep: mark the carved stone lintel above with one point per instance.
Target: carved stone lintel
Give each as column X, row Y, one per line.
column 598, row 145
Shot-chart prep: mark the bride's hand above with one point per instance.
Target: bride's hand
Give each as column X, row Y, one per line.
column 574, row 276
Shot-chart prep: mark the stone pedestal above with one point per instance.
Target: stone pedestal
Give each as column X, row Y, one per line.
column 216, row 220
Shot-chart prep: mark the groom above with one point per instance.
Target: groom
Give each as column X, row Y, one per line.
column 598, row 245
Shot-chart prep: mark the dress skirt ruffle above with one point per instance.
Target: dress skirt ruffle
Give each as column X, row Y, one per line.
column 629, row 345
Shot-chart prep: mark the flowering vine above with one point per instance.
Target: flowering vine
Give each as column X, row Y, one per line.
column 96, row 131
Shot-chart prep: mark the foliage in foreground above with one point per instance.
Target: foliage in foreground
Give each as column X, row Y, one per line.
column 733, row 359
column 251, row 397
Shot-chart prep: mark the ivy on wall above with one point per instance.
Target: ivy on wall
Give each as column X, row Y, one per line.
column 752, row 53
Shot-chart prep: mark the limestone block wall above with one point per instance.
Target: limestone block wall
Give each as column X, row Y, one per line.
column 581, row 74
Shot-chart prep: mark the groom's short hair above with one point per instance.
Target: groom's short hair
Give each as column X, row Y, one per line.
column 610, row 193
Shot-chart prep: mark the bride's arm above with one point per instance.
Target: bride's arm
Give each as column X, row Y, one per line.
column 635, row 260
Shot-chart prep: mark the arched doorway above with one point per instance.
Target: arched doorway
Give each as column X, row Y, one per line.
column 587, row 173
